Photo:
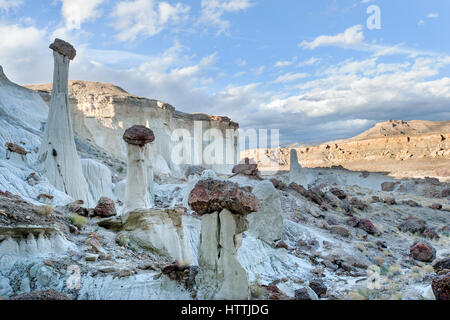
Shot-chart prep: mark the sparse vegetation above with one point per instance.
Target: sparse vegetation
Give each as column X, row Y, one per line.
column 78, row 221
column 123, row 240
column 256, row 291
column 45, row 210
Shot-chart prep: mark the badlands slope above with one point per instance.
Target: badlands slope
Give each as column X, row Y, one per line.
column 347, row 241
column 403, row 149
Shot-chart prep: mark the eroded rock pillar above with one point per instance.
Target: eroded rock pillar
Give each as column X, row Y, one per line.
column 58, row 153
column 223, row 206
column 137, row 195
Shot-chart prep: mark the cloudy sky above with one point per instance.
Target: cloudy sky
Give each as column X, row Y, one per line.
column 317, row 70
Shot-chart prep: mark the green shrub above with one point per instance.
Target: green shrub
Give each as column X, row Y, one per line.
column 78, row 221
column 123, row 240
column 256, row 291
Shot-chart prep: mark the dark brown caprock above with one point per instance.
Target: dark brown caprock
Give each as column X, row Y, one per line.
column 138, row 135
column 64, row 48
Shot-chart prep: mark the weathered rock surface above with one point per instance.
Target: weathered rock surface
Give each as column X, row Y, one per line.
column 267, row 222
column 221, row 275
column 114, row 109
column 161, row 231
column 42, row 295
column 210, row 196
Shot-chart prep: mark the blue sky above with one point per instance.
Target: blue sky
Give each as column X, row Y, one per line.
column 312, row 69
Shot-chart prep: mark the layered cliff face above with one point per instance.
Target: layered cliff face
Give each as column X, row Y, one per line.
column 402, row 148
column 102, row 112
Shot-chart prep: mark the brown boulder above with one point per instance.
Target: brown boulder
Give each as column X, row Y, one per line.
column 280, row 185
column 209, row 196
column 300, row 189
column 441, row 287
column 138, row 135
column 248, row 167
column 423, row 251
column 388, row 186
column 338, row 193
column 64, row 48
column 105, row 208
column 446, row 193
column 441, row 264
column 436, row 206
column 367, row 226
column 12, row 147
column 413, row 225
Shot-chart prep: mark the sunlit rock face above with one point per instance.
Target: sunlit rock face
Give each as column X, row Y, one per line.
column 58, row 154
column 267, row 223
column 102, row 112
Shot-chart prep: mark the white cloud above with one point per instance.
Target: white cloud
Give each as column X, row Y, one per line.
column 213, row 11
column 359, row 88
column 309, row 62
column 146, row 17
column 10, row 4
column 282, row 64
column 23, row 53
column 433, row 15
column 349, row 38
column 290, row 77
column 76, row 12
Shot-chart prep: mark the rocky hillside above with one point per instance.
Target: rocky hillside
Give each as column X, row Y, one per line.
column 101, row 112
column 401, row 148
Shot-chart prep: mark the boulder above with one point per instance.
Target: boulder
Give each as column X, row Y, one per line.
column 209, row 196
column 105, row 208
column 12, row 147
column 367, row 226
column 441, row 264
column 445, row 193
column 423, row 251
column 436, row 206
column 64, row 48
column 248, row 167
column 318, row 287
column 138, row 135
column 342, row 231
column 305, row 294
column 388, row 186
column 413, row 225
column 441, row 287
column 278, row 184
column 194, row 170
column 267, row 223
column 338, row 193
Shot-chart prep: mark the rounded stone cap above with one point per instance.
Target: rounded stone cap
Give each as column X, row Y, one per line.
column 64, row 48
column 138, row 135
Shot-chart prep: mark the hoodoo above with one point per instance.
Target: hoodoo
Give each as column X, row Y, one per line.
column 138, row 190
column 224, row 207
column 58, row 153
